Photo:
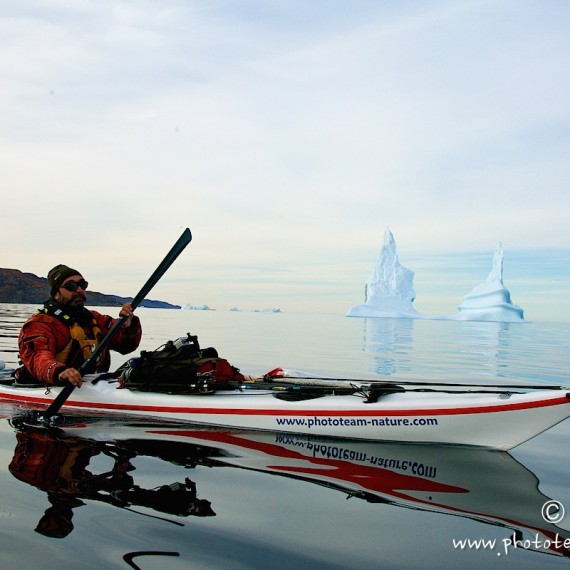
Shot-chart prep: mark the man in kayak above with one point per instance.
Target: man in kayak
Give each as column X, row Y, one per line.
column 55, row 341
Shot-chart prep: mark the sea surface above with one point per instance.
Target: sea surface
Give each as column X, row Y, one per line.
column 123, row 494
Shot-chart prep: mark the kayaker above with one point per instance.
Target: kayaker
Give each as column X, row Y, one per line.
column 54, row 342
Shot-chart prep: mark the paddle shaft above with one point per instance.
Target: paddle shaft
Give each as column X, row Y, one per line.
column 169, row 259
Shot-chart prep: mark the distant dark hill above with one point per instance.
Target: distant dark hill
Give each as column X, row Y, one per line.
column 29, row 289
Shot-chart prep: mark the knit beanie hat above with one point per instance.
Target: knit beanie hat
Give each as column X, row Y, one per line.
column 58, row 275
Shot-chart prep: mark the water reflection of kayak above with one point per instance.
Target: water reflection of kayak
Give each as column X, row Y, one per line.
column 484, row 485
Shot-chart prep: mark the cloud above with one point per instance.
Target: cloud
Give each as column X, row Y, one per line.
column 287, row 136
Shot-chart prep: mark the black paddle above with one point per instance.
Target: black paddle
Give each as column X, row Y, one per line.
column 176, row 250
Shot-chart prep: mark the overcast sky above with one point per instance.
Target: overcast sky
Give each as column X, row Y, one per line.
column 286, row 135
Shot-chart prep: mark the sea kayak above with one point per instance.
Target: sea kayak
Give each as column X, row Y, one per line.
column 498, row 420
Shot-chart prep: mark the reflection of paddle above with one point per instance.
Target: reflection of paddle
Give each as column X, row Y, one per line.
column 176, row 250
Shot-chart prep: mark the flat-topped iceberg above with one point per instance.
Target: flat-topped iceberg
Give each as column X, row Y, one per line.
column 197, row 308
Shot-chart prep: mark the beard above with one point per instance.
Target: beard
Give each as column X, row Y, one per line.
column 77, row 301
column 75, row 306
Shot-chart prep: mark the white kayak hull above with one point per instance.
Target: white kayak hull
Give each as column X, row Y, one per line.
column 491, row 420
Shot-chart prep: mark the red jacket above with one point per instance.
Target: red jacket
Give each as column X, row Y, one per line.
column 43, row 336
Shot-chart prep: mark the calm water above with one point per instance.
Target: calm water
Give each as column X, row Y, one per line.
column 117, row 495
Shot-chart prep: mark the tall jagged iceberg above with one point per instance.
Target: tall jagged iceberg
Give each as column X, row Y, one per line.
column 491, row 300
column 389, row 291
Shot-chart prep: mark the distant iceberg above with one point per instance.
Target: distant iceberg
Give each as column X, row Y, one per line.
column 197, row 308
column 389, row 291
column 491, row 300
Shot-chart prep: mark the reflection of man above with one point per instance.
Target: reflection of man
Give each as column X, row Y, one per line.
column 56, row 522
column 176, row 499
column 58, row 465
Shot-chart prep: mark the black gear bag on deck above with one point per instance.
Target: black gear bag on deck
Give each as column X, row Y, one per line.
column 179, row 367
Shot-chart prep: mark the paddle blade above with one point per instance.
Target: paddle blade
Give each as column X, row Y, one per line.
column 168, row 260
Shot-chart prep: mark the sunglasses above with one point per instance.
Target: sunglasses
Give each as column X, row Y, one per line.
column 74, row 285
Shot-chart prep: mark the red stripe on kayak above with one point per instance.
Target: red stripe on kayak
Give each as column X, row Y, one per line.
column 284, row 412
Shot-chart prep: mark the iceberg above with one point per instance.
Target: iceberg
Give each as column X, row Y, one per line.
column 196, row 308
column 491, row 300
column 389, row 291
